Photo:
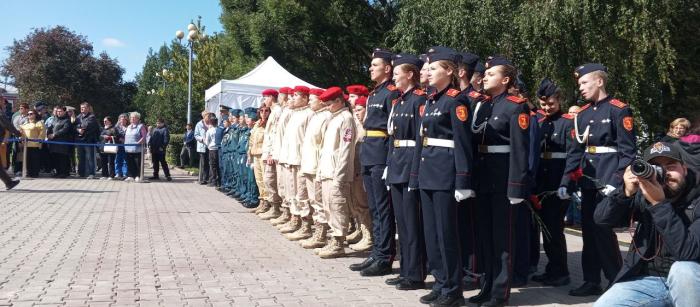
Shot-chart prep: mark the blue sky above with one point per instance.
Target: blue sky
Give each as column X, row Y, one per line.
column 124, row 29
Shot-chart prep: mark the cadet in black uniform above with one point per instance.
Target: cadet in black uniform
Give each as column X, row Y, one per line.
column 404, row 122
column 373, row 159
column 501, row 127
column 605, row 146
column 555, row 128
column 441, row 169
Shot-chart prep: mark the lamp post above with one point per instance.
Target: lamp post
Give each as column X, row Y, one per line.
column 192, row 36
column 163, row 75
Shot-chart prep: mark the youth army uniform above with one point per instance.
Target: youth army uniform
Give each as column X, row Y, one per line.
column 229, row 174
column 241, row 158
column 556, row 140
column 273, row 199
column 282, row 172
column 403, row 126
column 373, row 159
column 361, row 239
column 293, row 140
column 335, row 170
column 311, row 210
column 501, row 133
column 255, row 180
column 605, row 146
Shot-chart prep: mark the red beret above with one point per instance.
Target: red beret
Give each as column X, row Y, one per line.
column 331, row 93
column 270, row 92
column 361, row 101
column 357, row 89
column 316, row 91
column 286, row 90
column 301, row 89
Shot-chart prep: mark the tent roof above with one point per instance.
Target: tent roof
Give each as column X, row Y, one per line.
column 246, row 90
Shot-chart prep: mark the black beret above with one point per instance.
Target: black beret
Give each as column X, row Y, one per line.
column 480, row 68
column 470, row 60
column 547, row 89
column 405, row 58
column 496, row 60
column 589, row 68
column 382, row 54
column 520, row 84
column 453, row 57
column 440, row 49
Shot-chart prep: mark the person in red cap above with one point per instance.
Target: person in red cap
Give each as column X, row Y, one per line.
column 269, row 205
column 361, row 239
column 356, row 91
column 311, row 211
column 335, row 170
column 291, row 145
column 278, row 152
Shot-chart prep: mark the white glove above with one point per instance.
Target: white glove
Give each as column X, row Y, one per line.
column 563, row 193
column 608, row 189
column 515, row 201
column 384, row 174
column 388, row 188
column 461, row 195
column 409, row 189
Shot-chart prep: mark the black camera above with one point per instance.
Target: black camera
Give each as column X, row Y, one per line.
column 644, row 169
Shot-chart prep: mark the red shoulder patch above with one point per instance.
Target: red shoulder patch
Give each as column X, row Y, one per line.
column 419, row 92
column 421, row 110
column 391, row 87
column 541, row 112
column 567, row 116
column 474, row 94
column 452, row 92
column 618, row 103
column 516, row 99
column 533, row 113
column 588, row 105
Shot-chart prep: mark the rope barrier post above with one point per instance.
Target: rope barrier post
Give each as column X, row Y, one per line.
column 143, row 164
column 24, row 160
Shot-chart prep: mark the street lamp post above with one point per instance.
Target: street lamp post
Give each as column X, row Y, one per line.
column 192, row 36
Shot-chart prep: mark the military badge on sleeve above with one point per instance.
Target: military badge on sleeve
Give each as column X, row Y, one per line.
column 347, row 136
column 461, row 113
column 523, row 121
column 628, row 123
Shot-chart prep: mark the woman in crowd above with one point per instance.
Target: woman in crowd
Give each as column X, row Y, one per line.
column 441, row 169
column 404, row 123
column 135, row 134
column 33, row 129
column 62, row 131
column 677, row 129
column 109, row 134
column 120, row 167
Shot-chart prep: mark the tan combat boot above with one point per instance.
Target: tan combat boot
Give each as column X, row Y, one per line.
column 318, row 239
column 366, row 243
column 273, row 213
column 293, row 225
column 354, row 236
column 303, row 232
column 283, row 218
column 262, row 208
column 334, row 249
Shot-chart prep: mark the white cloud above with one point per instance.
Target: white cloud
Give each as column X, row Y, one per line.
column 112, row 42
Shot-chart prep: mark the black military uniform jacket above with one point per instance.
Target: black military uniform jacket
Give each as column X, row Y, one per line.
column 556, row 140
column 404, row 124
column 375, row 149
column 506, row 122
column 446, row 117
column 611, row 125
column 676, row 224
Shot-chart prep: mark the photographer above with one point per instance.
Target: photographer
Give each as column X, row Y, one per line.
column 662, row 265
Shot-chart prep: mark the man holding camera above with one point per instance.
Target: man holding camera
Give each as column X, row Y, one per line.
column 662, row 267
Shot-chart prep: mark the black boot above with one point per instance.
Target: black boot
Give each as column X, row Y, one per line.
column 362, row 265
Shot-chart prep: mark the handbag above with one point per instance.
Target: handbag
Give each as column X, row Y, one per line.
column 110, row 148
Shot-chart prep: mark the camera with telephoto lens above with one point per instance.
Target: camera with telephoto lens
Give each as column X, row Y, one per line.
column 644, row 169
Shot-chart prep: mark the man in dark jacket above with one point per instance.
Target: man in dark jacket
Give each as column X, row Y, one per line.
column 662, row 267
column 61, row 131
column 88, row 132
column 189, row 147
column 7, row 126
column 157, row 144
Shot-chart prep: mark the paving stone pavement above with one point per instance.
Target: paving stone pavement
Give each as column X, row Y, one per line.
column 78, row 242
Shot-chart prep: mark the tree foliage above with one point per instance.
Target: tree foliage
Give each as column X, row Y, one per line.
column 57, row 66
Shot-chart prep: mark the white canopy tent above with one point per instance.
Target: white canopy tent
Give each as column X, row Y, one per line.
column 246, row 91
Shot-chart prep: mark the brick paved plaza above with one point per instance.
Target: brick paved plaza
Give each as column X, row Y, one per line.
column 80, row 242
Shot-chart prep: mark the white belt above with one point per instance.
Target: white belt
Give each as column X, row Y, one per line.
column 553, row 155
column 404, row 143
column 438, row 142
column 494, row 148
column 600, row 149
